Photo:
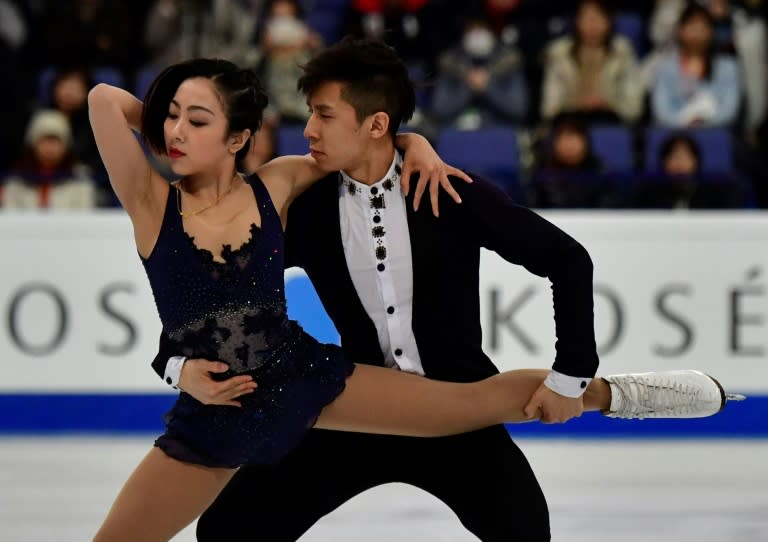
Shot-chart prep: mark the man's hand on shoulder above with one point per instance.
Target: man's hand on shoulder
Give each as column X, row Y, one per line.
column 196, row 380
column 552, row 407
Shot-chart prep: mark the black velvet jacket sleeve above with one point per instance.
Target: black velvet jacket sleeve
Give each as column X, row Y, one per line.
column 164, row 353
column 522, row 237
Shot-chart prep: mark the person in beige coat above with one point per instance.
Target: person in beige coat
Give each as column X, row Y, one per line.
column 592, row 71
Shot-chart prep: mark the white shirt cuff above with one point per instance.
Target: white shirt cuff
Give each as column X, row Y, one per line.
column 173, row 371
column 568, row 386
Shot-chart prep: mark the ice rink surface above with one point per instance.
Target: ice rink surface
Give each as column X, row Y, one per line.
column 598, row 491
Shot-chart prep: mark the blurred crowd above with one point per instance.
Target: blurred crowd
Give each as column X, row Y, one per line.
column 563, row 103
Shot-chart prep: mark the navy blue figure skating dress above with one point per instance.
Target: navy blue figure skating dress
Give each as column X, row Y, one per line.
column 236, row 312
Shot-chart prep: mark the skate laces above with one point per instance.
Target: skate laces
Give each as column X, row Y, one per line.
column 643, row 395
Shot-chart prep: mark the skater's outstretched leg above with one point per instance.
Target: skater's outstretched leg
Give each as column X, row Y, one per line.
column 378, row 400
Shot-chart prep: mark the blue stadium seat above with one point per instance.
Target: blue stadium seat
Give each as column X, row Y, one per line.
column 326, row 22
column 291, row 140
column 109, row 75
column 44, row 82
column 489, row 152
column 99, row 74
column 632, row 26
column 612, row 144
column 144, row 78
column 418, row 74
column 338, row 5
column 715, row 147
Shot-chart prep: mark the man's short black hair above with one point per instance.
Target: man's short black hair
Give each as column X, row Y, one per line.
column 372, row 76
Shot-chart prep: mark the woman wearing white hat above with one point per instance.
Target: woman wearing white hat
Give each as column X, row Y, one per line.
column 47, row 175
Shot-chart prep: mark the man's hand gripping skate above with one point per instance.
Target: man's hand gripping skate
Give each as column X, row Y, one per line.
column 551, row 407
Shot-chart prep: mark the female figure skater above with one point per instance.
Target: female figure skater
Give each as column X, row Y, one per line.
column 212, row 246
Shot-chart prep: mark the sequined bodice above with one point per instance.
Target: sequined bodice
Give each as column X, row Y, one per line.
column 232, row 311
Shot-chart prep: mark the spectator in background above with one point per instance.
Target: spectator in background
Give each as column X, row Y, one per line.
column 695, row 86
column 570, row 174
column 736, row 31
column 593, row 71
column 69, row 93
column 13, row 27
column 413, row 27
column 481, row 82
column 527, row 24
column 722, row 17
column 178, row 30
column 94, row 32
column 13, row 35
column 286, row 44
column 681, row 185
column 47, row 175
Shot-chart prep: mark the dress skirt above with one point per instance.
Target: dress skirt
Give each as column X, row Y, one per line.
column 293, row 387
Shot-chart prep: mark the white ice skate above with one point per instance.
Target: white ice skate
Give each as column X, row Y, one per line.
column 666, row 394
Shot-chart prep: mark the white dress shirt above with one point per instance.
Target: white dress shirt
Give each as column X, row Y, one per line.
column 377, row 247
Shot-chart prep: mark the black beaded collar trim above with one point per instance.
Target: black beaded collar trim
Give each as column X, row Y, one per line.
column 351, row 187
column 377, row 202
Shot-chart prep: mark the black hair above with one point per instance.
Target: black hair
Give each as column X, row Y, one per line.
column 608, row 12
column 675, row 139
column 373, row 79
column 65, row 72
column 693, row 10
column 572, row 122
column 242, row 98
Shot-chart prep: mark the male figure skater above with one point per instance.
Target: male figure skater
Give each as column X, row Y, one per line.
column 402, row 288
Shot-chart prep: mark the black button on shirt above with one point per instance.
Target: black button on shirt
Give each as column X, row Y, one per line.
column 398, row 352
column 381, row 267
column 390, row 310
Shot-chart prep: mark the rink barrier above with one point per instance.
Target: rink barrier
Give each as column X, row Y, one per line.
column 47, row 414
column 672, row 291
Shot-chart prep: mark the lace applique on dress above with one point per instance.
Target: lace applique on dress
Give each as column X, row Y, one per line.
column 228, row 272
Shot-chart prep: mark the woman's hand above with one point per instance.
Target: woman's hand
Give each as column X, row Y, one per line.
column 195, row 379
column 421, row 158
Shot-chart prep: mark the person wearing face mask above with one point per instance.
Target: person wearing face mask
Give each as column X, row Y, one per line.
column 480, row 82
column 286, row 43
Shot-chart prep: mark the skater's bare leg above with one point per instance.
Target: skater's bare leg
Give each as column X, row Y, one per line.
column 378, row 400
column 161, row 497
column 598, row 395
